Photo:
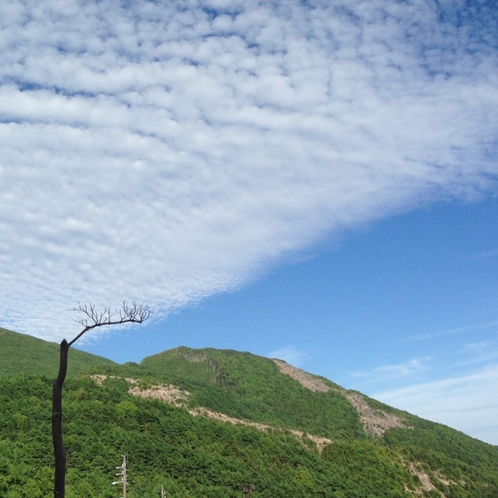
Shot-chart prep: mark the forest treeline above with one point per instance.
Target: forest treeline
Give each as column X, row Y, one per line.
column 193, row 456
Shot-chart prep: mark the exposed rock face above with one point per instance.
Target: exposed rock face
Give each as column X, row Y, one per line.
column 174, row 396
column 304, row 378
column 167, row 393
column 375, row 422
column 320, row 442
column 423, row 477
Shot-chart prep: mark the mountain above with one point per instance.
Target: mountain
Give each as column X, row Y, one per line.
column 23, row 354
column 222, row 423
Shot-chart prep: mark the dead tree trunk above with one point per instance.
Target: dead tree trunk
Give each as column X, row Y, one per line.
column 92, row 319
column 59, row 451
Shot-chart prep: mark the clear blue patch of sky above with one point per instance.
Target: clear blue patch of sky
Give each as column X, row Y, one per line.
column 383, row 295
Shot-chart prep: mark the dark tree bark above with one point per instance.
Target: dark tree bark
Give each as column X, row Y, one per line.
column 59, row 451
column 92, row 319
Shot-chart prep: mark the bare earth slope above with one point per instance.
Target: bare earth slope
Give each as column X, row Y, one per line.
column 375, row 422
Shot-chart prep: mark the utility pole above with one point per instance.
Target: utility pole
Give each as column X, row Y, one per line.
column 123, row 474
column 163, row 493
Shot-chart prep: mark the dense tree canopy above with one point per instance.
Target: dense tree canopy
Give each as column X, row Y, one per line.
column 192, row 456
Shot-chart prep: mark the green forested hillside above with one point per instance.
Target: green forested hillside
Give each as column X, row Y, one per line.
column 192, row 455
column 23, row 354
column 250, row 387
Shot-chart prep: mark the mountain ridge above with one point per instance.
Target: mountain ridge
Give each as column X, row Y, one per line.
column 225, row 418
column 24, row 354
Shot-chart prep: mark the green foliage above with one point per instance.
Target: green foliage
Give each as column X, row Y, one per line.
column 22, row 354
column 249, row 387
column 371, row 466
column 192, row 456
column 441, row 450
column 199, row 457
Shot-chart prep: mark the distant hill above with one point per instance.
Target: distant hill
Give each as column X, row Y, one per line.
column 251, row 387
column 211, row 423
column 23, row 354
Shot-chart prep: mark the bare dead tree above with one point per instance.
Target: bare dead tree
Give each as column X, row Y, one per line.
column 91, row 319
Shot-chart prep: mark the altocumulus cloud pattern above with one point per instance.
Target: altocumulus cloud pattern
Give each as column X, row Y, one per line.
column 163, row 151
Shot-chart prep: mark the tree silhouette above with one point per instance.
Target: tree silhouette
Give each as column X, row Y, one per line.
column 92, row 318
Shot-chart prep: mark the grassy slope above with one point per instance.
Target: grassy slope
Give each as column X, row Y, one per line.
column 23, row 354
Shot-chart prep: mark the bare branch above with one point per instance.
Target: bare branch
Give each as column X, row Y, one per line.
column 93, row 318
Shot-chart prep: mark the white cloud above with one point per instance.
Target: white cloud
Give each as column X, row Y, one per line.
column 466, row 329
column 290, row 354
column 462, row 402
column 162, row 153
column 462, row 397
column 386, row 372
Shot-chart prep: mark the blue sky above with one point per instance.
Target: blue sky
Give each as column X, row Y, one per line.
column 396, row 310
column 310, row 180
